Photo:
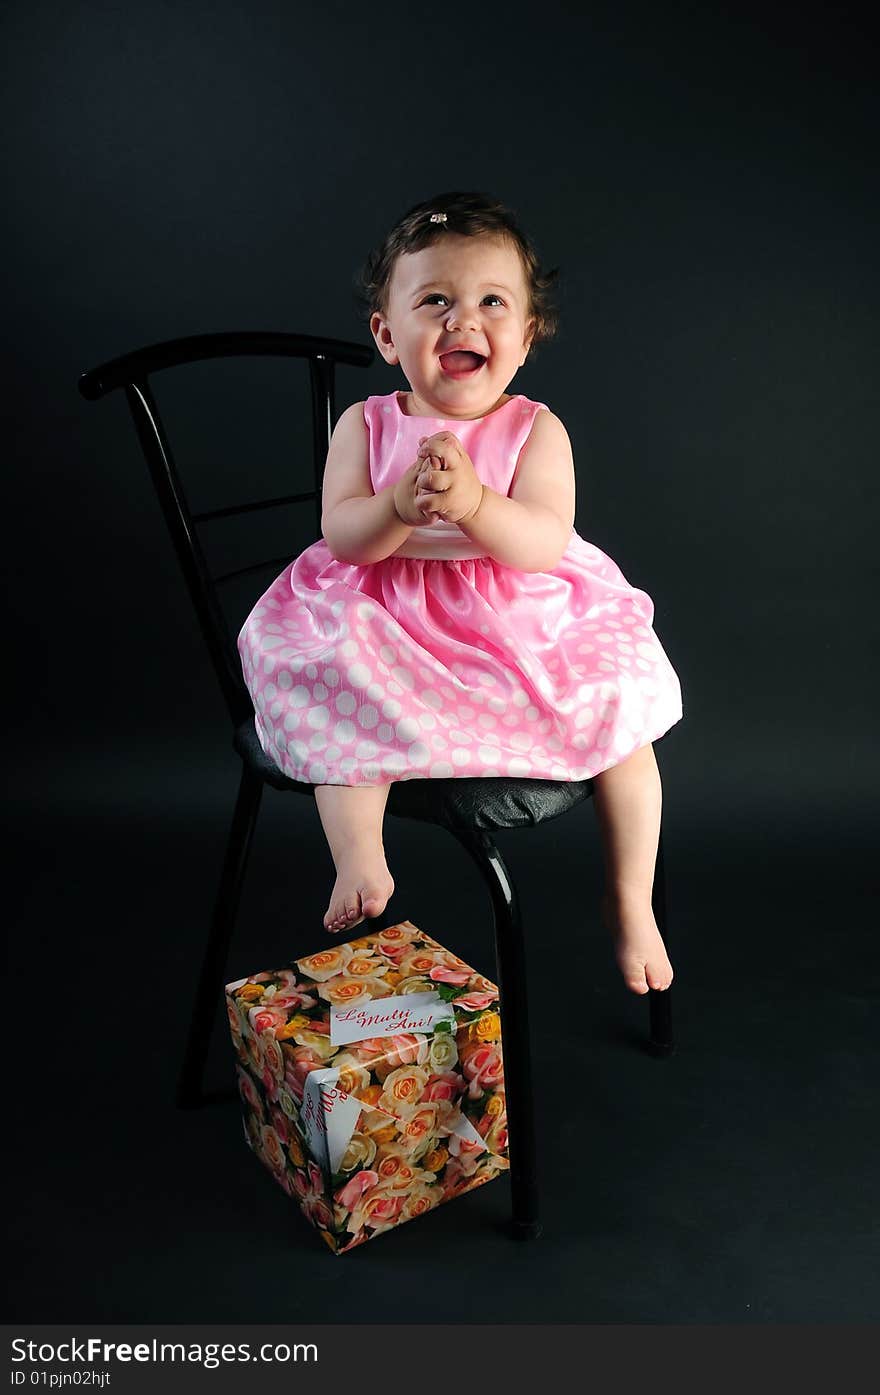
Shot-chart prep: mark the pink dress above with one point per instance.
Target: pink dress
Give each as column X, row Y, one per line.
column 440, row 662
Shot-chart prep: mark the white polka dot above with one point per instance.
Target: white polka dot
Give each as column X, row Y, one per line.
column 291, row 721
column 391, row 709
column 388, row 654
column 418, row 754
column 407, row 729
column 460, row 757
column 394, row 763
column 368, row 717
column 366, row 750
column 318, row 717
column 385, row 732
column 431, row 698
column 268, row 664
column 359, row 675
column 346, row 703
column 331, row 677
column 317, row 773
column 441, row 770
column 375, row 691
column 344, row 732
column 518, row 767
column 403, row 676
column 365, row 611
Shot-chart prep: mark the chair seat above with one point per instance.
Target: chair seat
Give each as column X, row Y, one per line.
column 495, row 802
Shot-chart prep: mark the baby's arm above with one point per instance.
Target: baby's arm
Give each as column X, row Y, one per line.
column 358, row 526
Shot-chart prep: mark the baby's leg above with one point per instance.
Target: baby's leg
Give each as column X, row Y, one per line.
column 352, row 818
column 628, row 799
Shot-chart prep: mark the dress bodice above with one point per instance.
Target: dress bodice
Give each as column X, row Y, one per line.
column 493, row 443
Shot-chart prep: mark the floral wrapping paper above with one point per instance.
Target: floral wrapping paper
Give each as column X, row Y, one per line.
column 370, row 1133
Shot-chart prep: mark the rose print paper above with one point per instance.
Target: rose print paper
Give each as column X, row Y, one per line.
column 372, row 1080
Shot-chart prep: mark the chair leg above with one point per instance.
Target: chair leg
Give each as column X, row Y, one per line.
column 661, row 1042
column 247, row 806
column 510, row 955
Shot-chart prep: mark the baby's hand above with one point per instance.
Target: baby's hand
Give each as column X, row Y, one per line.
column 450, row 487
column 407, row 493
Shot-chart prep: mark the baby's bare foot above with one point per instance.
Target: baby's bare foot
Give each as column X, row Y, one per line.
column 638, row 944
column 363, row 886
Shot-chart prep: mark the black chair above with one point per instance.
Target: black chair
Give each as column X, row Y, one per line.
column 471, row 809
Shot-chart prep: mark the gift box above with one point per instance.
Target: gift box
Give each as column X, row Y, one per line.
column 371, row 1079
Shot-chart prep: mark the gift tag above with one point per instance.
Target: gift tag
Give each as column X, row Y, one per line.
column 387, row 1017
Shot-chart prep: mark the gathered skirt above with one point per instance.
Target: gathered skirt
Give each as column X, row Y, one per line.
column 423, row 668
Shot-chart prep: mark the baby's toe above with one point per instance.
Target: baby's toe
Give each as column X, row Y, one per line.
column 335, row 917
column 658, row 978
column 353, row 913
column 634, row 976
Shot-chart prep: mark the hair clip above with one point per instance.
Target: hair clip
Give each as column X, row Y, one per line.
column 438, row 217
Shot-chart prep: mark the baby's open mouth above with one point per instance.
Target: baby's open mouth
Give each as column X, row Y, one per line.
column 461, row 363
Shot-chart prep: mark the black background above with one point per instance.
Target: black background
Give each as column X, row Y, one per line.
column 703, row 175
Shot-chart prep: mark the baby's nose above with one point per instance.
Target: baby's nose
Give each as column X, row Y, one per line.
column 462, row 317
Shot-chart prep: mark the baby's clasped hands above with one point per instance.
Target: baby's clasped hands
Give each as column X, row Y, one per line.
column 452, row 490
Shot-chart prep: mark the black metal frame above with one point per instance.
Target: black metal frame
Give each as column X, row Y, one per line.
column 132, row 371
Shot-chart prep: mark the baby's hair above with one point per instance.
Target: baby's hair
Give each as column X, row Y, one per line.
column 469, row 215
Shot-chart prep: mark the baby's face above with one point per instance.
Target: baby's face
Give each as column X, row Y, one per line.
column 462, row 293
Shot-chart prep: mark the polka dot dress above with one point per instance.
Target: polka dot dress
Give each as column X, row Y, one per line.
column 440, row 662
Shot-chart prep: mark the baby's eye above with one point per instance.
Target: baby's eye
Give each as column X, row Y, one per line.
column 438, row 295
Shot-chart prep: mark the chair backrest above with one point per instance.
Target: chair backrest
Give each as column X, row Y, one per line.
column 132, row 371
